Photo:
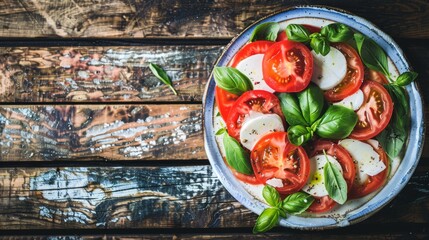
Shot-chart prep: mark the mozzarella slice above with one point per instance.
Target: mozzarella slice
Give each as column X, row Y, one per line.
column 353, row 101
column 252, row 68
column 329, row 70
column 366, row 159
column 316, row 183
column 275, row 182
column 257, row 125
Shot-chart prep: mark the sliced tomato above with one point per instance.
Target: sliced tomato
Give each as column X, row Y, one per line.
column 343, row 157
column 257, row 47
column 251, row 179
column 255, row 100
column 375, row 76
column 354, row 75
column 287, row 66
column 375, row 112
column 281, row 36
column 225, row 100
column 275, row 157
column 374, row 182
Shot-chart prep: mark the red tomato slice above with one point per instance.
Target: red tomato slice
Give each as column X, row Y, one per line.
column 375, row 76
column 275, row 157
column 287, row 66
column 375, row 112
column 255, row 100
column 225, row 100
column 354, row 76
column 374, row 182
column 250, row 49
column 251, row 179
column 343, row 157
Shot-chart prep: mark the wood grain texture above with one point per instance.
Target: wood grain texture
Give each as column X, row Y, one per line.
column 152, row 197
column 178, row 18
column 109, row 132
column 64, row 74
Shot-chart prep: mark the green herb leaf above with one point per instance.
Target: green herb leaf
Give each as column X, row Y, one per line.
column 298, row 135
column 232, row 80
column 268, row 219
column 337, row 32
column 291, row 109
column 265, row 31
column 162, row 76
column 405, row 78
column 220, row 131
column 335, row 183
column 271, row 195
column 297, row 203
column 311, row 102
column 337, row 122
column 297, row 33
column 319, row 44
column 236, row 156
column 373, row 56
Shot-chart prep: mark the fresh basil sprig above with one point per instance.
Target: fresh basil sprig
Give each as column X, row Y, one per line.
column 295, row 203
column 265, row 31
column 232, row 80
column 335, row 183
column 405, row 78
column 337, row 122
column 299, row 134
column 320, row 42
column 162, row 76
column 372, row 55
column 236, row 156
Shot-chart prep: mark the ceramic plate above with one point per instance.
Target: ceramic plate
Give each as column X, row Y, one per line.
column 354, row 210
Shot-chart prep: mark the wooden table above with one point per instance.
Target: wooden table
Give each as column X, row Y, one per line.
column 92, row 144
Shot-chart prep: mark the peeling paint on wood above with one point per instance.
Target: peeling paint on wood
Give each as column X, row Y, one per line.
column 116, row 132
column 63, row 74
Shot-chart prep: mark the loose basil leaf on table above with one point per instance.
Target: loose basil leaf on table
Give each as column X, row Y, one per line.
column 337, row 32
column 311, row 102
column 162, row 76
column 319, row 44
column 297, row 203
column 236, row 156
column 297, row 33
column 337, row 122
column 265, row 31
column 268, row 219
column 271, row 195
column 232, row 80
column 372, row 55
column 291, row 109
column 299, row 135
column 405, row 78
column 335, row 184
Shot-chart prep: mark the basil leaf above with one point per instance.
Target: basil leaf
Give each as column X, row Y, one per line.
column 162, row 76
column 268, row 219
column 334, row 183
column 297, row 203
column 337, row 32
column 236, row 156
column 265, row 31
column 311, row 102
column 297, row 33
column 220, row 131
column 298, row 135
column 291, row 109
column 232, row 80
column 271, row 195
column 405, row 78
column 372, row 55
column 319, row 44
column 337, row 122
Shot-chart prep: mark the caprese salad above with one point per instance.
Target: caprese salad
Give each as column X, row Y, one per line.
column 313, row 113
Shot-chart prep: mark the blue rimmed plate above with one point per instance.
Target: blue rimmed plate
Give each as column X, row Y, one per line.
column 355, row 210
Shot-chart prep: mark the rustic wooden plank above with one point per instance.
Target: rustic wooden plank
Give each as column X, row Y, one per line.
column 174, row 18
column 64, row 74
column 109, row 132
column 153, row 197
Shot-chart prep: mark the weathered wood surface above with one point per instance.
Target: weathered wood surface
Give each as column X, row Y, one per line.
column 64, row 74
column 185, row 19
column 109, row 132
column 152, row 197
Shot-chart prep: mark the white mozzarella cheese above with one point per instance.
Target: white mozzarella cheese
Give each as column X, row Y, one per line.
column 329, row 70
column 252, row 68
column 366, row 159
column 316, row 183
column 257, row 125
column 353, row 101
column 275, row 182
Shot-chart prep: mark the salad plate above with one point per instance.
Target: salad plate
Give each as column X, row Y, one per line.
column 399, row 168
